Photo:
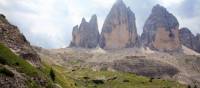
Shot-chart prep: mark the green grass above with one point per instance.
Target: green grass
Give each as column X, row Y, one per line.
column 7, row 57
column 85, row 77
column 12, row 60
column 59, row 76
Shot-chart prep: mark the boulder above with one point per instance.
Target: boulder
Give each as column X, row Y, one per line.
column 161, row 31
column 86, row 35
column 119, row 29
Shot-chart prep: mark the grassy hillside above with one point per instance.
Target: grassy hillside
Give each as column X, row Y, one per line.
column 77, row 77
column 8, row 58
column 87, row 78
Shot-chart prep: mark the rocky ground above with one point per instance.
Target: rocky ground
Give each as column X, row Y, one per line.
column 184, row 68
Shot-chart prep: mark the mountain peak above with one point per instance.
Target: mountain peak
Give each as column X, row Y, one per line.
column 119, row 3
column 158, row 9
column 83, row 20
column 119, row 28
column 86, row 35
column 186, row 30
column 93, row 19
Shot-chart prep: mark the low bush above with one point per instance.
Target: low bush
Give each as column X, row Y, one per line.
column 6, row 72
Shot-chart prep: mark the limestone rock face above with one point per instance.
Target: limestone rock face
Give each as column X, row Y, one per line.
column 161, row 31
column 190, row 40
column 197, row 43
column 119, row 29
column 12, row 38
column 187, row 38
column 86, row 35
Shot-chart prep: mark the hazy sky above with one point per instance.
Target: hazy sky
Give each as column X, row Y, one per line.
column 49, row 23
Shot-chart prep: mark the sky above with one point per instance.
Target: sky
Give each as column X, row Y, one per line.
column 49, row 23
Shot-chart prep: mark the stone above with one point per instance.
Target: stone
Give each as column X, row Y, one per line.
column 86, row 35
column 119, row 29
column 161, row 31
column 11, row 37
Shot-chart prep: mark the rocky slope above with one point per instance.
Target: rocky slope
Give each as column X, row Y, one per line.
column 85, row 65
column 119, row 29
column 178, row 67
column 16, row 72
column 161, row 31
column 11, row 37
column 189, row 40
column 86, row 35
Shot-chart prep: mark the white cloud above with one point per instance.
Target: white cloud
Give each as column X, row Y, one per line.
column 104, row 3
column 168, row 3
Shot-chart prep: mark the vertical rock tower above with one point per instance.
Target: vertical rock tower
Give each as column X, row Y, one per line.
column 86, row 35
column 119, row 29
column 161, row 31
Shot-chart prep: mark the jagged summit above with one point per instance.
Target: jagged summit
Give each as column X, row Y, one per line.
column 93, row 21
column 161, row 30
column 185, row 30
column 86, row 35
column 158, row 9
column 83, row 20
column 119, row 4
column 119, row 29
column 189, row 40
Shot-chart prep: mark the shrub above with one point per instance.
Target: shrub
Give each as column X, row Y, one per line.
column 151, row 79
column 2, row 60
column 189, row 86
column 98, row 81
column 52, row 74
column 6, row 72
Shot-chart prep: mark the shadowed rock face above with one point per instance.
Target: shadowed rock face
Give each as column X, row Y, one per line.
column 146, row 67
column 197, row 43
column 12, row 38
column 161, row 31
column 189, row 40
column 119, row 29
column 87, row 35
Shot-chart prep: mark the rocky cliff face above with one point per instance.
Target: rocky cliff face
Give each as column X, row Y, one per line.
column 119, row 29
column 161, row 31
column 12, row 38
column 190, row 40
column 197, row 43
column 86, row 35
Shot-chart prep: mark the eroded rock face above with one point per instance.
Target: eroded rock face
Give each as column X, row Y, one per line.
column 197, row 43
column 161, row 31
column 12, row 38
column 187, row 38
column 87, row 35
column 190, row 40
column 144, row 67
column 119, row 29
